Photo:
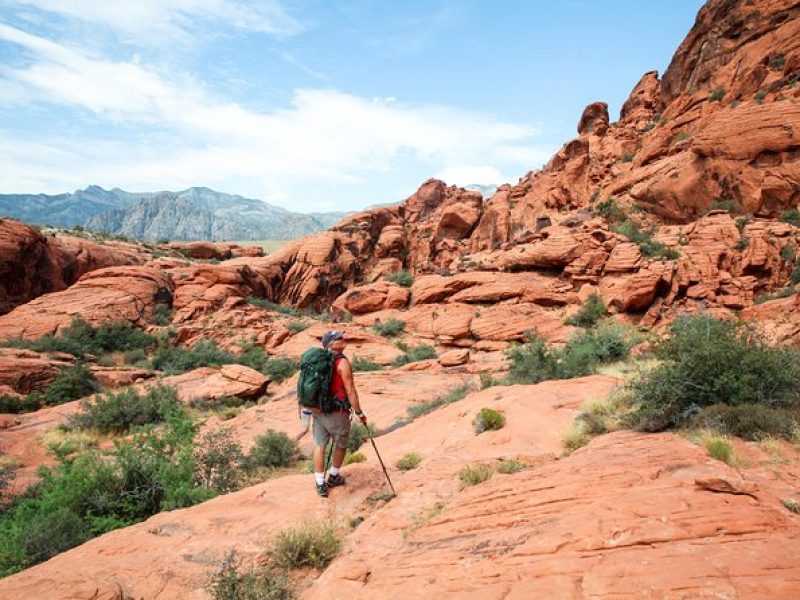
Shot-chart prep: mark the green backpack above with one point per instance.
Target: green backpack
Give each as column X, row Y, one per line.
column 314, row 383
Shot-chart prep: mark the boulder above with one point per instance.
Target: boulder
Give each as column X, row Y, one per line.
column 207, row 383
column 453, row 358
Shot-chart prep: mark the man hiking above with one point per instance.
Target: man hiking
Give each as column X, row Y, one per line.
column 336, row 423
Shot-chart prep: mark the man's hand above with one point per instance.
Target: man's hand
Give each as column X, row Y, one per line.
column 362, row 416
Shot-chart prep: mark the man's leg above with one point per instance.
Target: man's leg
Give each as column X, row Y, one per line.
column 340, row 431
column 338, row 457
column 321, row 437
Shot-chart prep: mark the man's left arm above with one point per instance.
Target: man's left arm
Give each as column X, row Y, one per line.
column 350, row 387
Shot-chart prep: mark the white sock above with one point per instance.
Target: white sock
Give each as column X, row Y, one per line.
column 320, row 477
column 333, row 471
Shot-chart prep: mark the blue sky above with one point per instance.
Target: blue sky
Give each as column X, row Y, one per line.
column 307, row 104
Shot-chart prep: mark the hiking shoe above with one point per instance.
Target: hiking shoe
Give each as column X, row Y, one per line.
column 334, row 480
column 322, row 490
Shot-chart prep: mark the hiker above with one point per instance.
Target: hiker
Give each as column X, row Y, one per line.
column 335, row 422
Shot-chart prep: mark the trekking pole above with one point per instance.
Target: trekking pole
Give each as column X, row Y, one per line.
column 380, row 460
column 330, row 456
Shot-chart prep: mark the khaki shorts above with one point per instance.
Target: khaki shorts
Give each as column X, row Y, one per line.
column 331, row 425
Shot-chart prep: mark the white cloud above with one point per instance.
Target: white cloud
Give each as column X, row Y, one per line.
column 471, row 175
column 322, row 136
column 165, row 21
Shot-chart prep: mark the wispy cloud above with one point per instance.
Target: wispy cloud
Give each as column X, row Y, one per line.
column 323, row 134
column 164, row 21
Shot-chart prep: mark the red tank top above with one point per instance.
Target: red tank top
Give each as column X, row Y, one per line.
column 337, row 383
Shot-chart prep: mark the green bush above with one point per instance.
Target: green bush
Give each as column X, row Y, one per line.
column 403, row 278
column 80, row 338
column 707, row 361
column 794, row 278
column 118, row 413
column 454, row 395
column 390, row 328
column 409, row 461
column 749, row 421
column 8, row 469
column 230, row 582
column 219, row 460
column 162, row 315
column 272, row 450
column 721, row 449
column 488, row 419
column 365, row 364
column 21, row 404
column 272, row 306
column 358, row 435
column 777, row 62
column 474, row 474
column 535, row 361
column 627, row 157
column 136, row 358
column 680, row 136
column 593, row 310
column 509, row 467
column 178, row 359
column 759, row 97
column 352, row 458
column 644, row 238
column 789, row 252
column 717, row 94
column 313, row 544
column 276, row 368
column 791, row 216
column 297, row 326
column 94, row 492
column 610, row 211
column 70, row 384
column 414, row 354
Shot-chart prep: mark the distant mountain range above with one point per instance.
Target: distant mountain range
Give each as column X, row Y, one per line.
column 194, row 214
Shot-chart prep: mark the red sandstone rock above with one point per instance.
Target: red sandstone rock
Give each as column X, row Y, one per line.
column 24, row 371
column 453, row 358
column 207, row 383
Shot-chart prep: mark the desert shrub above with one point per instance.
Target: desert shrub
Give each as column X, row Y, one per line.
column 20, row 404
column 231, row 582
column 409, row 461
column 272, row 450
column 389, row 328
column 220, row 403
column 297, row 326
column 644, row 238
column 118, row 413
column 276, row 368
column 8, row 468
column 794, row 277
column 717, row 94
column 789, row 252
column 219, row 459
column 627, row 157
column 63, row 442
column 313, row 544
column 359, row 434
column 136, row 358
column 509, row 467
column 95, row 492
column 728, row 205
column 178, row 359
column 535, row 361
column 80, row 338
column 707, row 361
column 592, row 310
column 272, row 306
column 162, row 315
column 781, row 293
column 279, row 369
column 777, row 62
column 749, row 421
column 352, row 458
column 791, row 216
column 610, row 211
column 403, row 278
column 721, row 449
column 474, row 474
column 680, row 136
column 71, row 383
column 414, row 354
column 759, row 97
column 488, row 419
column 454, row 395
column 576, row 436
column 365, row 364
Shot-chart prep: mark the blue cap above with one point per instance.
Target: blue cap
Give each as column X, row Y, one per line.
column 331, row 336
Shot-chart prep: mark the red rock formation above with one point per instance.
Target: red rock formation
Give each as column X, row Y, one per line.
column 32, row 263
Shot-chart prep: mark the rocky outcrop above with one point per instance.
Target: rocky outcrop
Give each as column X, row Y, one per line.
column 24, row 371
column 32, row 263
column 207, row 383
column 111, row 294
